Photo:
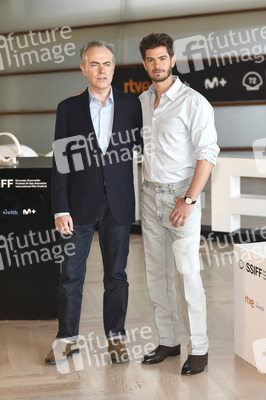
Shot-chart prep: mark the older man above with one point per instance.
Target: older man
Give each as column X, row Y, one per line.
column 95, row 132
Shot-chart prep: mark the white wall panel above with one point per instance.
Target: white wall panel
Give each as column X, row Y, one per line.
column 181, row 28
column 20, row 15
column 39, row 91
column 239, row 126
column 17, row 15
column 29, row 54
column 136, row 9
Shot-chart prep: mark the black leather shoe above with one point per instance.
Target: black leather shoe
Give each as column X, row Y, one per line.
column 160, row 353
column 195, row 364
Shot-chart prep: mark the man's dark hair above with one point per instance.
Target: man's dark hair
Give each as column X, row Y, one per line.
column 156, row 40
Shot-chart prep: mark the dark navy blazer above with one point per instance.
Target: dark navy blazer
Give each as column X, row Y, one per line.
column 81, row 174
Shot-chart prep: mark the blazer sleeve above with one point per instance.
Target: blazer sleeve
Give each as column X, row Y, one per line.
column 59, row 180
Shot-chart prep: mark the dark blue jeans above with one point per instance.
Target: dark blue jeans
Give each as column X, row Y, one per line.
column 114, row 244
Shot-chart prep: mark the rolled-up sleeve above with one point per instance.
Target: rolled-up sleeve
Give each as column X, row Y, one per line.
column 203, row 132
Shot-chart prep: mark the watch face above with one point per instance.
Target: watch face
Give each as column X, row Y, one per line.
column 188, row 200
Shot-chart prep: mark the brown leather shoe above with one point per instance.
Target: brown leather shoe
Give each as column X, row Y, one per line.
column 118, row 351
column 160, row 353
column 195, row 364
column 63, row 350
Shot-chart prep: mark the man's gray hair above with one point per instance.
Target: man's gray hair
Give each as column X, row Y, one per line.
column 96, row 43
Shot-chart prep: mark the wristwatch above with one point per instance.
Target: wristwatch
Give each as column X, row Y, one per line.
column 188, row 200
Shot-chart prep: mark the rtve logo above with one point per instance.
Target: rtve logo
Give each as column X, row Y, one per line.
column 136, row 87
column 249, row 301
column 252, row 304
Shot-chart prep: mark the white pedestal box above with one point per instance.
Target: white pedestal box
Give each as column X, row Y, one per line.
column 228, row 202
column 250, row 303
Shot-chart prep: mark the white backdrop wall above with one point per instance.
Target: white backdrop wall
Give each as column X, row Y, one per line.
column 18, row 15
column 236, row 126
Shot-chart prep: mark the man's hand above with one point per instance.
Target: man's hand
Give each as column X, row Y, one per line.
column 64, row 224
column 181, row 212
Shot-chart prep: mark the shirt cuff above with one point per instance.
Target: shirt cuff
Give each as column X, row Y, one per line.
column 209, row 156
column 60, row 214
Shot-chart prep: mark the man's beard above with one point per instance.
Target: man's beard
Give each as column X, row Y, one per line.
column 162, row 78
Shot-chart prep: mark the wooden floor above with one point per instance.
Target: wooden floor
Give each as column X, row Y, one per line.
column 24, row 345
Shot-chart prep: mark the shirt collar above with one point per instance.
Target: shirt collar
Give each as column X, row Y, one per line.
column 110, row 99
column 171, row 93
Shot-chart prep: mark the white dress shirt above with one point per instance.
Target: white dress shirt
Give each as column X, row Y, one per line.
column 102, row 118
column 178, row 133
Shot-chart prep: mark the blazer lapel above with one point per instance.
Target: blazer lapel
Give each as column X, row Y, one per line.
column 83, row 111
